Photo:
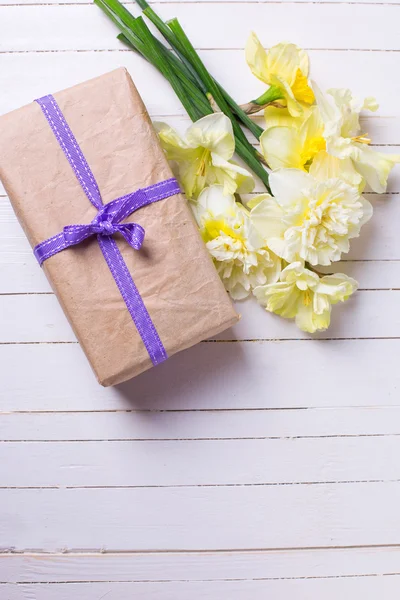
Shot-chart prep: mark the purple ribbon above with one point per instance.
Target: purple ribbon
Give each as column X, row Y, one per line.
column 106, row 224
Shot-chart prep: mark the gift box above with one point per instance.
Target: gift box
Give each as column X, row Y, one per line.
column 159, row 292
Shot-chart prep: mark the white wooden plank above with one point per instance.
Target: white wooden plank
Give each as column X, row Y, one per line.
column 56, row 377
column 45, row 72
column 209, row 376
column 50, row 324
column 368, row 588
column 230, row 462
column 369, row 314
column 199, row 566
column 238, row 517
column 85, row 27
column 200, row 425
column 371, row 275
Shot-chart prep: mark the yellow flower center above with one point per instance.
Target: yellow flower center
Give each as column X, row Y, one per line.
column 310, row 150
column 307, row 298
column 362, row 139
column 203, row 161
column 213, row 229
column 301, row 90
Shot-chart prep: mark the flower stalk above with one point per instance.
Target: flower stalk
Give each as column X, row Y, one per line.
column 199, row 93
column 268, row 98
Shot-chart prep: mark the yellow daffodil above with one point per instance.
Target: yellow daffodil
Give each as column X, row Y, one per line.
column 303, row 295
column 284, row 68
column 280, row 117
column 309, row 219
column 296, row 143
column 203, row 156
column 239, row 252
column 346, row 142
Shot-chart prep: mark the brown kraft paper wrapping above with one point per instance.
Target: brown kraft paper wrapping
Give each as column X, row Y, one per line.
column 173, row 271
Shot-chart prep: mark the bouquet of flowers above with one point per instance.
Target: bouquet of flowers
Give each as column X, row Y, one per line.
column 314, row 162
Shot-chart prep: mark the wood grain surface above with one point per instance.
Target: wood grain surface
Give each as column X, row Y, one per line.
column 264, row 463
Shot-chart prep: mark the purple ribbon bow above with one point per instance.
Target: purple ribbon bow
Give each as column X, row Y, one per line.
column 105, row 225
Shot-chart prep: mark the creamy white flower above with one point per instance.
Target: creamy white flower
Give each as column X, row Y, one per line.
column 203, row 156
column 346, row 142
column 239, row 252
column 303, row 295
column 309, row 219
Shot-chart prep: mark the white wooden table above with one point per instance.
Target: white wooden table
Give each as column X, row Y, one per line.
column 267, row 466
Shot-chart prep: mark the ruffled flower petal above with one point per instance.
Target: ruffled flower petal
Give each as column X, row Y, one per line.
column 345, row 140
column 309, row 219
column 238, row 249
column 287, row 185
column 374, row 167
column 302, row 295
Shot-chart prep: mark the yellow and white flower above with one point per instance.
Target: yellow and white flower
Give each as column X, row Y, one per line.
column 285, row 68
column 293, row 142
column 203, row 156
column 303, row 295
column 239, row 252
column 309, row 219
column 345, row 141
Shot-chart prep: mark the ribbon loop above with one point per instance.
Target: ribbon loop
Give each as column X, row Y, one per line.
column 107, row 222
column 133, row 234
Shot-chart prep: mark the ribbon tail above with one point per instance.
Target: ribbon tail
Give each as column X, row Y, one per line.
column 133, row 234
column 133, row 300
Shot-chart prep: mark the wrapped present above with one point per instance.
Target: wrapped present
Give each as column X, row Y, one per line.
column 96, row 198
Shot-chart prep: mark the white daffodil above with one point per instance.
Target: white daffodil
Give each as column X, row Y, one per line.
column 309, row 219
column 239, row 252
column 303, row 295
column 293, row 142
column 203, row 156
column 346, row 142
column 284, row 68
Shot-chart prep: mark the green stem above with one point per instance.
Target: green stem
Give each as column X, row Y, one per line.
column 158, row 58
column 244, row 148
column 179, row 70
column 186, row 73
column 255, row 129
column 179, row 47
column 273, row 93
column 138, row 35
column 171, row 39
